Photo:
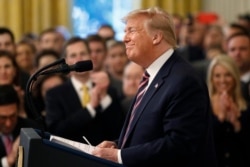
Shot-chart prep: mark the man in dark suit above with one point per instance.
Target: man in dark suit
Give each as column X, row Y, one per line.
column 238, row 47
column 10, row 125
column 66, row 116
column 171, row 125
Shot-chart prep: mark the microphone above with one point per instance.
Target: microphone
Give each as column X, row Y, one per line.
column 80, row 66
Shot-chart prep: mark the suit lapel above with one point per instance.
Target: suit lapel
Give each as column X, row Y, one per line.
column 152, row 89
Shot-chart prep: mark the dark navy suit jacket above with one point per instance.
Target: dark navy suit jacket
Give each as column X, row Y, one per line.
column 67, row 118
column 21, row 123
column 172, row 125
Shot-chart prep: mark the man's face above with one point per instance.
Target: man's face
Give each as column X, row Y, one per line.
column 51, row 40
column 8, row 118
column 239, row 49
column 7, row 71
column 76, row 52
column 117, row 59
column 98, row 55
column 138, row 41
column 6, row 43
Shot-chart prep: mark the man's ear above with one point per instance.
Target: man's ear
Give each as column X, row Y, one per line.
column 157, row 38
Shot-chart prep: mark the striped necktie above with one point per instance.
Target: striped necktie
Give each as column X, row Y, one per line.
column 142, row 89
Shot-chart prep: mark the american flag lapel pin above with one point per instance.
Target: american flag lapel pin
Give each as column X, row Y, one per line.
column 156, row 85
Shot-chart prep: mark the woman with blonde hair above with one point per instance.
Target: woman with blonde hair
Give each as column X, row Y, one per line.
column 230, row 112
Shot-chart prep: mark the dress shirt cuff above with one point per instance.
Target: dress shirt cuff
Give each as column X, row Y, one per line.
column 91, row 110
column 4, row 162
column 105, row 102
column 119, row 157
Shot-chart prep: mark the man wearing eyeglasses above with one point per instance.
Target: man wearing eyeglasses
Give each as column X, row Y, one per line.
column 10, row 125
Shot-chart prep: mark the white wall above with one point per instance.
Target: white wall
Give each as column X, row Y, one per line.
column 228, row 9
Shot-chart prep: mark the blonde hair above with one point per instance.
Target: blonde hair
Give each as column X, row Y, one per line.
column 158, row 19
column 229, row 64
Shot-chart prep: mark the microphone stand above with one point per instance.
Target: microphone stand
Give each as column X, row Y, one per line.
column 28, row 93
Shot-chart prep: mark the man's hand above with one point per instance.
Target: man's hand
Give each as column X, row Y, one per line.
column 99, row 91
column 11, row 158
column 106, row 150
column 106, row 153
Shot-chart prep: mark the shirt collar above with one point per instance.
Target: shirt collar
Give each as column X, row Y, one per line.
column 246, row 77
column 154, row 68
column 78, row 85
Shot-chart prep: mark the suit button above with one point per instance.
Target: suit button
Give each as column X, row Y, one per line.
column 227, row 155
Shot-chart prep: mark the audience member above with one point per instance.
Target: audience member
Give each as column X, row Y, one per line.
column 107, row 32
column 7, row 43
column 10, row 125
column 46, row 57
column 131, row 79
column 43, row 84
column 238, row 47
column 7, row 40
column 73, row 112
column 98, row 51
column 231, row 118
column 116, row 59
column 98, row 54
column 178, row 23
column 32, row 38
column 51, row 39
column 194, row 50
column 116, row 62
column 212, row 46
column 244, row 20
column 231, row 29
column 9, row 75
column 25, row 56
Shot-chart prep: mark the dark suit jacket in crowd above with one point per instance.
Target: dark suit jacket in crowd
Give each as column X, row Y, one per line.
column 172, row 126
column 21, row 123
column 67, row 118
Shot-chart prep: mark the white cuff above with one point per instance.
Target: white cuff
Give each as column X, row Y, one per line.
column 119, row 157
column 4, row 162
column 91, row 110
column 106, row 101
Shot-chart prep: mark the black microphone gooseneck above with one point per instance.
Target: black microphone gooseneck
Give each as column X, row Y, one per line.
column 28, row 94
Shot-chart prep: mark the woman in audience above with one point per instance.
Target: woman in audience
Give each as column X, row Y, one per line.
column 231, row 125
column 46, row 57
column 25, row 56
column 9, row 74
column 44, row 83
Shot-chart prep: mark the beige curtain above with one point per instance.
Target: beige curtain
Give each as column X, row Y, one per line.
column 182, row 7
column 23, row 16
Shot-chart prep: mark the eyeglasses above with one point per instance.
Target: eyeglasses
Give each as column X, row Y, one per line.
column 4, row 118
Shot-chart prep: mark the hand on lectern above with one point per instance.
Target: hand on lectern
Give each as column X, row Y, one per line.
column 106, row 150
column 12, row 156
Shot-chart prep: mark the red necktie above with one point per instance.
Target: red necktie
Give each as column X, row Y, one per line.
column 8, row 144
column 139, row 96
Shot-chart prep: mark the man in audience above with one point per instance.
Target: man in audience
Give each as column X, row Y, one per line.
column 238, row 47
column 98, row 54
column 107, row 32
column 131, row 79
column 7, row 40
column 10, row 125
column 51, row 39
column 85, row 104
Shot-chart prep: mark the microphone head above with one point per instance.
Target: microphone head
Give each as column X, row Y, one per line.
column 82, row 66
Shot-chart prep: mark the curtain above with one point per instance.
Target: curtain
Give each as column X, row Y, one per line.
column 181, row 7
column 33, row 16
